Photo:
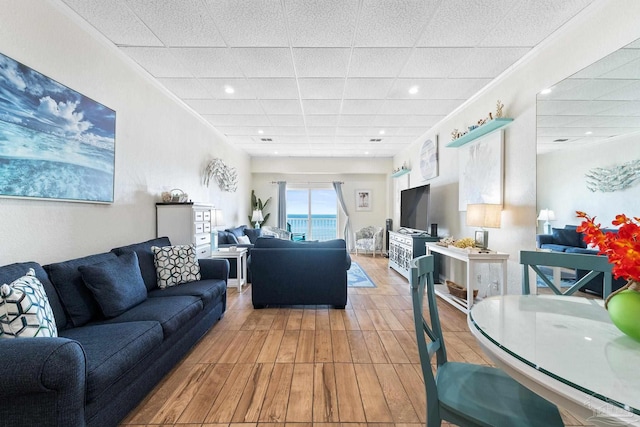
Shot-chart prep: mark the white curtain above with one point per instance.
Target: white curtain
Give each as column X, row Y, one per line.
column 282, row 205
column 337, row 186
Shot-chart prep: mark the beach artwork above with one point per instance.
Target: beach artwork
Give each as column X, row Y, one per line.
column 55, row 143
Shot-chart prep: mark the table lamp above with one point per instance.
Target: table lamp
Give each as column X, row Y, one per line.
column 257, row 218
column 547, row 215
column 483, row 215
column 217, row 220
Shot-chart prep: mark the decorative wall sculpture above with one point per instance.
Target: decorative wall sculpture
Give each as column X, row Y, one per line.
column 225, row 176
column 615, row 178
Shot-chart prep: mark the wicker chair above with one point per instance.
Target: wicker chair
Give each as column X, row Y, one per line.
column 369, row 240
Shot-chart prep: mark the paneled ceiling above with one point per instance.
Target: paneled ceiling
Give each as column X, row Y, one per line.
column 337, row 78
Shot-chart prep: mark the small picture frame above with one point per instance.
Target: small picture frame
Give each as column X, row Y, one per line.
column 363, row 200
column 481, row 238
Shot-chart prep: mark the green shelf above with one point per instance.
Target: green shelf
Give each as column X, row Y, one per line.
column 486, row 128
column 400, row 172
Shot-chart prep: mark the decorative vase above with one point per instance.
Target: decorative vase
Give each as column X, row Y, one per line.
column 623, row 307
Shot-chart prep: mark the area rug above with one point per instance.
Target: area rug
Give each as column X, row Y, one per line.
column 357, row 278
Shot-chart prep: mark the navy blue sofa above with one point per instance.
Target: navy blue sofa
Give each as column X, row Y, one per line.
column 99, row 368
column 285, row 272
column 568, row 240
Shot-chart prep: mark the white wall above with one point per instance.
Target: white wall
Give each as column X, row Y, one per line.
column 561, row 182
column 160, row 144
column 604, row 27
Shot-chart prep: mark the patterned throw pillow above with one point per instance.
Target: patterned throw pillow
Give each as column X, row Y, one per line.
column 25, row 310
column 175, row 265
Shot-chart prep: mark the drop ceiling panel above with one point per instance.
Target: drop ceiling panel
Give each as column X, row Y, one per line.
column 488, row 62
column 361, row 106
column 435, row 62
column 321, row 88
column 207, row 62
column 242, row 89
column 367, row 88
column 321, row 130
column 281, row 106
column 363, row 120
column 628, row 93
column 264, row 62
column 275, row 88
column 321, row 62
column 178, row 23
column 322, row 120
column 321, row 106
column 630, row 70
column 226, row 106
column 159, row 62
column 287, row 120
column 377, row 62
column 608, row 64
column 437, row 88
column 237, row 120
column 327, row 23
column 250, row 22
column 185, row 88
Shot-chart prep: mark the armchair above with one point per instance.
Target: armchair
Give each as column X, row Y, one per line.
column 276, row 232
column 369, row 239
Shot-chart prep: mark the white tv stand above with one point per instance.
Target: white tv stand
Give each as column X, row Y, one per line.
column 404, row 246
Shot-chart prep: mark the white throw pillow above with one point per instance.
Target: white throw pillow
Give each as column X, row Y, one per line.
column 25, row 310
column 175, row 265
column 244, row 240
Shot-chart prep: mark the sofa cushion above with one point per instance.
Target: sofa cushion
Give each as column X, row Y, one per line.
column 554, row 247
column 252, row 234
column 176, row 265
column 567, row 237
column 281, row 243
column 77, row 299
column 11, row 272
column 116, row 284
column 238, row 231
column 25, row 309
column 145, row 258
column 227, row 238
column 207, row 290
column 113, row 349
column 171, row 312
column 582, row 251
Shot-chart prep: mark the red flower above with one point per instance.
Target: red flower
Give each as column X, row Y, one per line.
column 621, row 248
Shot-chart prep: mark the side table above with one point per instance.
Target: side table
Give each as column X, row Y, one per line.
column 240, row 255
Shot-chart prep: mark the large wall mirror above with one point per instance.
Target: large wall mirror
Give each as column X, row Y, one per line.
column 588, row 141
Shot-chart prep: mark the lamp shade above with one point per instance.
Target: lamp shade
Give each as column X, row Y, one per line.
column 218, row 218
column 257, row 216
column 546, row 215
column 484, row 215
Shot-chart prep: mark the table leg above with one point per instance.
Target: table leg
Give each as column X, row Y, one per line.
column 239, row 272
column 503, row 282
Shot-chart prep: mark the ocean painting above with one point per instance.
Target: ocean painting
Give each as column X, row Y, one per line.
column 55, row 143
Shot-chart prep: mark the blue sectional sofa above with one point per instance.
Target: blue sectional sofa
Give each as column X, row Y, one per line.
column 285, row 272
column 100, row 367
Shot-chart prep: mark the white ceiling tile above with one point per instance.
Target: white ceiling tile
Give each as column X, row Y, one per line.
column 321, row 120
column 207, row 62
column 351, row 131
column 240, row 140
column 178, row 23
column 532, row 21
column 321, row 62
column 392, row 22
column 237, row 120
column 435, row 62
column 158, row 61
column 410, row 131
column 423, row 107
column 239, row 130
column 595, row 89
column 377, row 62
column 275, row 88
column 321, row 131
column 357, row 120
column 426, row 121
column 488, row 62
column 249, row 22
column 321, row 106
column 242, row 89
column 321, row 88
column 437, row 88
column 184, row 87
column 281, row 106
column 288, row 130
column 226, row 106
column 608, row 64
column 367, row 88
column 361, row 106
column 325, row 23
column 287, row 120
column 116, row 21
column 264, row 62
column 321, row 140
column 630, row 70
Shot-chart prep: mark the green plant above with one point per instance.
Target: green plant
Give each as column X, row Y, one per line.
column 258, row 204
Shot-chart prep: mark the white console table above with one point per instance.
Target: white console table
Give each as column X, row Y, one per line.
column 471, row 259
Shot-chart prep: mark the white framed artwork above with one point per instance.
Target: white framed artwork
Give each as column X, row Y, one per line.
column 363, row 200
column 429, row 158
column 481, row 171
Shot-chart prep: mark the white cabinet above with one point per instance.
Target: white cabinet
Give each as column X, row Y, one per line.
column 186, row 224
column 404, row 247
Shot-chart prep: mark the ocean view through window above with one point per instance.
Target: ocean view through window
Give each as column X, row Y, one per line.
column 312, row 213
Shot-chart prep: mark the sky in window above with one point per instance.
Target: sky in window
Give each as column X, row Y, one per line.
column 323, row 202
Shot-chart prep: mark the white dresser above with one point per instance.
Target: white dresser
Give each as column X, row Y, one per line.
column 185, row 224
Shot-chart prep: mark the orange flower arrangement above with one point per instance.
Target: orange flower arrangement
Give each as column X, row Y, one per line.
column 621, row 248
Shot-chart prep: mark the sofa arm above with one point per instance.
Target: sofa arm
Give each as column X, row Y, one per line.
column 544, row 239
column 214, row 268
column 43, row 382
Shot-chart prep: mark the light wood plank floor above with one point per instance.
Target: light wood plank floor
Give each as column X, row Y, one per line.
column 309, row 366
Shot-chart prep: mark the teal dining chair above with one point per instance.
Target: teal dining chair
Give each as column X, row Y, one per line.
column 462, row 393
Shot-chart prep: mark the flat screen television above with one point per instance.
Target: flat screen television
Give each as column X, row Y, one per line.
column 414, row 208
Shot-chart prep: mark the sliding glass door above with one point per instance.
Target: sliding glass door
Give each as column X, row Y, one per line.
column 312, row 213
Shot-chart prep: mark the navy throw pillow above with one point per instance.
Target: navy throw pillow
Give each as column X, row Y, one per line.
column 238, row 231
column 567, row 237
column 227, row 238
column 253, row 234
column 116, row 284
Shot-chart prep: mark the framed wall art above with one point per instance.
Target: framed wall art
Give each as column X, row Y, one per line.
column 363, row 200
column 55, row 143
column 481, row 171
column 429, row 158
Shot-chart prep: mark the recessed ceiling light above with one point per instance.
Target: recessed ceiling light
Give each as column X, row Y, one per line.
column 366, row 153
column 275, row 152
column 545, row 91
column 381, row 132
column 229, row 89
column 260, row 131
column 413, row 90
column 588, row 132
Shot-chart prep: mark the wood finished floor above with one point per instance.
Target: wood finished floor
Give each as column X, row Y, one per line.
column 308, row 366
